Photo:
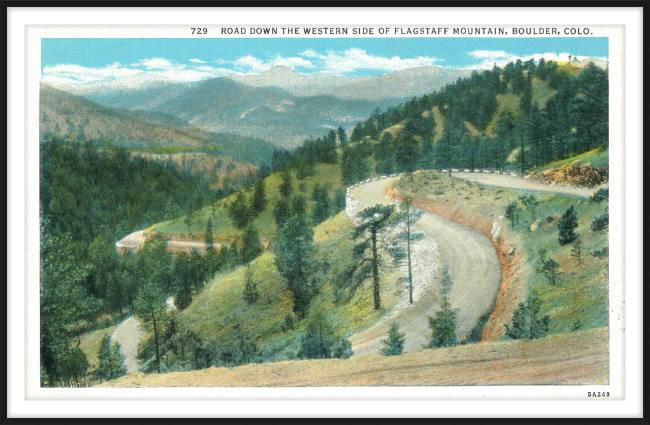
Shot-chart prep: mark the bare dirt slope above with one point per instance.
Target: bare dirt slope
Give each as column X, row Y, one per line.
column 472, row 263
column 575, row 358
column 135, row 241
column 516, row 182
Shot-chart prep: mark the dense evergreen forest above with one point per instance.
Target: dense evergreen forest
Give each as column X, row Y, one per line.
column 91, row 198
column 478, row 132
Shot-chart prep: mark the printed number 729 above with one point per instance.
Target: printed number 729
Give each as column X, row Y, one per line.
column 199, row 31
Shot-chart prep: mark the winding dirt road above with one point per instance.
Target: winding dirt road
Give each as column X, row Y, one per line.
column 472, row 263
column 129, row 333
column 516, row 182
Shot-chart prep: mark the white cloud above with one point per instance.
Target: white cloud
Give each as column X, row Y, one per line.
column 159, row 63
column 79, row 75
column 292, row 62
column 197, row 61
column 353, row 59
column 252, row 64
column 489, row 54
column 76, row 75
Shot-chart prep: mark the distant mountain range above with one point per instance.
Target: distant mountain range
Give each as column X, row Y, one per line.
column 69, row 115
column 280, row 105
column 395, row 85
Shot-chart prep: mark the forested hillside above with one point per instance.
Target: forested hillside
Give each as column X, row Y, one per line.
column 89, row 199
column 522, row 116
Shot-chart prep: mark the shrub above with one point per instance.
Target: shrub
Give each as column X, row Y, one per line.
column 566, row 226
column 548, row 267
column 290, row 321
column 342, row 349
column 394, row 345
column 443, row 327
column 600, row 223
column 600, row 195
column 527, row 322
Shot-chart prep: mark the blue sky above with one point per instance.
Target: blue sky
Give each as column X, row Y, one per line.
column 80, row 61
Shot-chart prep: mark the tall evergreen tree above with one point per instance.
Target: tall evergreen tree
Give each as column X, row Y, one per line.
column 251, row 246
column 64, row 301
column 282, row 212
column 342, row 136
column 294, row 258
column 366, row 253
column 286, row 187
column 259, row 200
column 407, row 155
column 321, row 209
column 239, row 212
column 150, row 307
column 208, row 234
column 111, row 360
column 566, row 226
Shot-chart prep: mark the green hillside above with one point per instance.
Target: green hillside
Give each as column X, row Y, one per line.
column 324, row 174
column 221, row 318
column 597, row 158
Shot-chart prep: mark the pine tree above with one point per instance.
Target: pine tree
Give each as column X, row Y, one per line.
column 239, row 212
column 259, row 200
column 527, row 322
column 407, row 155
column 566, row 226
column 251, row 246
column 576, row 251
column 548, row 267
column 366, row 253
column 286, row 187
column 394, row 345
column 208, row 234
column 512, row 213
column 321, row 209
column 251, row 294
column 446, row 282
column 298, row 205
column 294, row 259
column 342, row 136
column 527, row 96
column 111, row 361
column 150, row 307
column 339, row 200
column 408, row 217
column 281, row 212
column 443, row 326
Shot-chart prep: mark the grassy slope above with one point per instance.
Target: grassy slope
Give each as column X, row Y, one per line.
column 91, row 341
column 220, row 312
column 582, row 292
column 597, row 158
column 577, row 358
column 329, row 174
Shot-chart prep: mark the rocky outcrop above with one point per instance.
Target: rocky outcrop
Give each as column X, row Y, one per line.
column 577, row 174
